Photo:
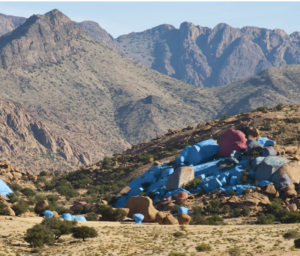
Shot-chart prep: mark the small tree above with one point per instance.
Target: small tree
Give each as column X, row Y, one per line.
column 13, row 197
column 59, row 227
column 91, row 216
column 39, row 235
column 20, row 207
column 28, row 192
column 84, row 232
column 4, row 209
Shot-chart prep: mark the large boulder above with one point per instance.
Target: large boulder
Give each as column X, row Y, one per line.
column 268, row 167
column 281, row 180
column 169, row 220
column 182, row 196
column 41, row 206
column 269, row 151
column 55, row 214
column 292, row 169
column 253, row 145
column 143, row 205
column 159, row 218
column 269, row 189
column 91, row 207
column 184, row 219
column 232, row 140
column 180, row 177
column 77, row 206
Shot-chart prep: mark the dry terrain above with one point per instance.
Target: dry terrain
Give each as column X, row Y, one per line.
column 149, row 239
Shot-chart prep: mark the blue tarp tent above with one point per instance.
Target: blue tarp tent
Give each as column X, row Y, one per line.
column 4, row 189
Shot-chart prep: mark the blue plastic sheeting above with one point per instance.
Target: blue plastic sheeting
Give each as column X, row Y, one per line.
column 233, row 180
column 265, row 142
column 281, row 180
column 48, row 214
column 202, row 152
column 210, row 185
column 240, row 188
column 183, row 155
column 121, row 202
column 183, row 209
column 138, row 218
column 66, row 216
column 264, row 182
column 171, row 193
column 210, row 168
column 167, row 172
column 155, row 187
column 136, row 183
column 80, row 218
column 4, row 189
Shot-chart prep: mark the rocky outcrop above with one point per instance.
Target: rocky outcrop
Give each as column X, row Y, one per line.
column 8, row 174
column 211, row 57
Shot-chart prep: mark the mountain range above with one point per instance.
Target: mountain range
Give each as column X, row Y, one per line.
column 74, row 100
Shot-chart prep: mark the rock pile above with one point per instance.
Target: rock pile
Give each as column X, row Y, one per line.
column 8, row 174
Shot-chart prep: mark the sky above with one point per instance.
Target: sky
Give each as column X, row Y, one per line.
column 119, row 18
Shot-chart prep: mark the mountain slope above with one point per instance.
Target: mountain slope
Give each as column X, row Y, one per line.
column 9, row 23
column 211, row 57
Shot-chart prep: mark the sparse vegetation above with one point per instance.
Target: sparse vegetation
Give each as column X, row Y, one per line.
column 203, row 247
column 84, row 232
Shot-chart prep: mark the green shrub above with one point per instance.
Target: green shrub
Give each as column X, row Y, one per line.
column 235, row 251
column 172, row 253
column 174, row 209
column 109, row 213
column 192, row 184
column 39, row 235
column 39, row 198
column 245, row 211
column 297, row 243
column 84, row 232
column 275, row 207
column 15, row 187
column 291, row 217
column 255, row 154
column 261, row 109
column 4, row 209
column 224, row 117
column 291, row 234
column 178, row 234
column 203, row 247
column 13, row 197
column 67, row 191
column 41, row 179
column 52, row 198
column 215, row 220
column 60, row 210
column 91, row 216
column 43, row 173
column 279, row 106
column 214, row 206
column 20, row 207
column 59, row 227
column 226, row 209
column 28, row 192
column 237, row 212
column 231, row 193
column 265, row 219
column 146, row 157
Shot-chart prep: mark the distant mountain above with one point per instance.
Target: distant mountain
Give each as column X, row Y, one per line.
column 100, row 101
column 211, row 57
column 99, row 34
column 9, row 23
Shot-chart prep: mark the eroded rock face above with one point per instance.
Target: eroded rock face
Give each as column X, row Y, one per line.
column 183, row 219
column 292, row 169
column 180, row 177
column 143, row 205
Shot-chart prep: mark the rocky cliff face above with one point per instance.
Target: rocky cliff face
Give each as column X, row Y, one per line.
column 9, row 23
column 99, row 34
column 211, row 57
column 23, row 137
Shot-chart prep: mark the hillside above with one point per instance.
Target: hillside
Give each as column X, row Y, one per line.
column 8, row 23
column 209, row 57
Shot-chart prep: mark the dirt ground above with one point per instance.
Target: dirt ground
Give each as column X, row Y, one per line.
column 150, row 239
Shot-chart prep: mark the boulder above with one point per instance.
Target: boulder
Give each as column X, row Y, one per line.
column 232, row 140
column 55, row 214
column 184, row 219
column 281, row 180
column 290, row 187
column 269, row 189
column 143, row 205
column 169, row 220
column 292, row 207
column 292, row 169
column 269, row 151
column 182, row 196
column 77, row 205
column 265, row 142
column 159, row 218
column 104, row 202
column 253, row 145
column 179, row 178
column 290, row 193
column 11, row 211
column 41, row 206
column 253, row 134
column 17, row 175
column 268, row 167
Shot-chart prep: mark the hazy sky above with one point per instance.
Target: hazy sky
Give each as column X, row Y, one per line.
column 124, row 17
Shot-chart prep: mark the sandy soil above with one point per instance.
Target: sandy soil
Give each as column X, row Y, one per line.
column 150, row 239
